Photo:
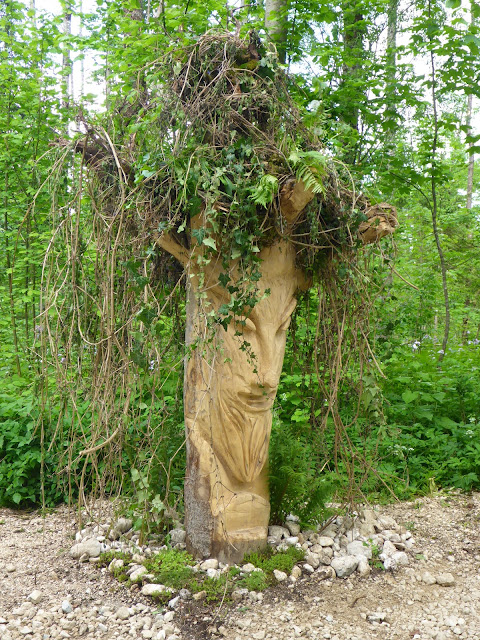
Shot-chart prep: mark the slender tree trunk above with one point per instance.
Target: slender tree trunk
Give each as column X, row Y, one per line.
column 471, row 155
column 66, row 60
column 353, row 33
column 434, row 209
column 391, row 59
column 276, row 25
column 9, row 266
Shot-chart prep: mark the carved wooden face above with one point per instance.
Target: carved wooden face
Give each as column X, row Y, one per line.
column 247, row 382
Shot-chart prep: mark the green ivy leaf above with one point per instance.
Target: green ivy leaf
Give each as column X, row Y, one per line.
column 210, row 242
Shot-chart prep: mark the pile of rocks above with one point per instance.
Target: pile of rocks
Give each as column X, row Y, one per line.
column 345, row 545
column 70, row 619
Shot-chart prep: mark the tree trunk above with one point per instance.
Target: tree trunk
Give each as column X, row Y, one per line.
column 231, row 379
column 471, row 155
column 391, row 62
column 353, row 33
column 228, row 395
column 276, row 25
column 66, row 60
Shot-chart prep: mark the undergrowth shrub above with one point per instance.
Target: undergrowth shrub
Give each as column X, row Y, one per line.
column 268, row 560
column 171, row 567
column 297, row 484
column 21, row 450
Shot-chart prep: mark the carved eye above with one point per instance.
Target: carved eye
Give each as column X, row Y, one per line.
column 244, row 324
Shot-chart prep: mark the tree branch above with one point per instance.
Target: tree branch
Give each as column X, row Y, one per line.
column 169, row 244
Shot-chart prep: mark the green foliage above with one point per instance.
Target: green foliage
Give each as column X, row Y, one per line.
column 171, row 567
column 269, row 560
column 254, row 581
column 295, row 485
column 267, row 188
column 311, row 167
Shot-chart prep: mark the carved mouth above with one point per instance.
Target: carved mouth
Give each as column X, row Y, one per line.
column 256, row 402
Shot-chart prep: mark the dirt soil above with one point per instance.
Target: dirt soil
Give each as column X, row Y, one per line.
column 34, row 555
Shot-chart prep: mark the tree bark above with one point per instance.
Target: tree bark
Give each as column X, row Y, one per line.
column 276, row 25
column 471, row 155
column 391, row 61
column 434, row 210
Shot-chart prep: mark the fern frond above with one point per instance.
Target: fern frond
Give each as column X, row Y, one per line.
column 311, row 167
column 265, row 191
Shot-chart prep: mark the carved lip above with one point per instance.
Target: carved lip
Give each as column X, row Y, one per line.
column 254, row 401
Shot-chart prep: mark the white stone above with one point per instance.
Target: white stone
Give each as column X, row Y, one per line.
column 91, row 547
column 211, row 563
column 325, row 541
column 363, row 567
column 388, row 550
column 214, row 574
column 312, row 559
column 248, row 568
column 278, row 533
column 308, row 568
column 445, row 579
column 280, row 576
column 138, row 573
column 36, row 596
column 291, row 541
column 358, row 548
column 177, row 536
column 169, row 616
column 344, row 566
column 123, row 613
column 386, row 522
column 401, row 559
column 427, row 578
column 116, row 563
column 25, row 631
column 296, row 572
column 293, row 527
column 154, row 589
column 66, row 607
column 123, row 525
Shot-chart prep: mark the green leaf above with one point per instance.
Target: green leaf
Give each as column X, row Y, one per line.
column 210, row 242
column 409, row 396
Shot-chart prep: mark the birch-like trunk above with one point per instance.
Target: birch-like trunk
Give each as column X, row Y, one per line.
column 276, row 25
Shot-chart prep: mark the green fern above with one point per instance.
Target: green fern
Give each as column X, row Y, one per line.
column 310, row 167
column 265, row 191
column 296, row 483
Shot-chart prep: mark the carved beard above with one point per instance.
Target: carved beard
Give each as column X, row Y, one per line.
column 242, row 444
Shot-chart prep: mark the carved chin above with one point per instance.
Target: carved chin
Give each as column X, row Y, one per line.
column 242, row 441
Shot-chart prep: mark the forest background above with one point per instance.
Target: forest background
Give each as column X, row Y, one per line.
column 389, row 87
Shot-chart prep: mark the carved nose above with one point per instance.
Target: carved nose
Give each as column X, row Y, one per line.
column 269, row 381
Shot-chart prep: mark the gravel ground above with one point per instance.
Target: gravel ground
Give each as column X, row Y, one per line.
column 45, row 593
